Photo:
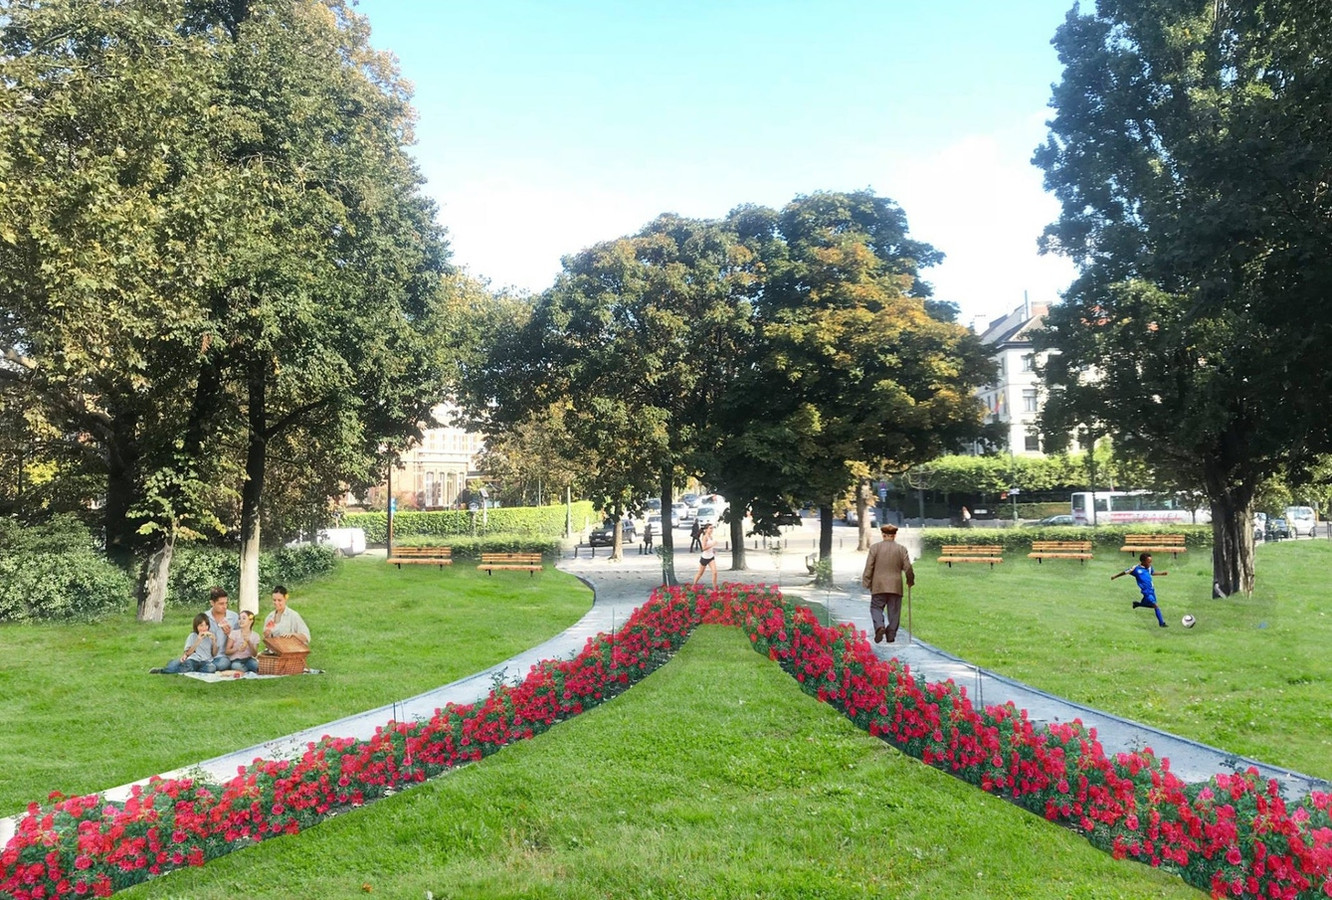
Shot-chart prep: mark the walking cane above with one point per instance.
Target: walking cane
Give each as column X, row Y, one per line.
column 911, row 631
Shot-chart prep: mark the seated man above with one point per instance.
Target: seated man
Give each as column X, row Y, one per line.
column 284, row 622
column 221, row 621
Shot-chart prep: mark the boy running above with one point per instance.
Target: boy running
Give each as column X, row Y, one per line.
column 1143, row 572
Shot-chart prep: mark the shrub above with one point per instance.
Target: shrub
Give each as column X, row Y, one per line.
column 195, row 569
column 1014, row 539
column 538, row 521
column 78, row 586
column 468, row 547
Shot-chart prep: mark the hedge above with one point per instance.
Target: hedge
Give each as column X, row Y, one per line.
column 468, row 547
column 195, row 569
column 71, row 586
column 544, row 521
column 1020, row 538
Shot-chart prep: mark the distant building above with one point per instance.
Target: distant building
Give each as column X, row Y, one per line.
column 434, row 472
column 1015, row 399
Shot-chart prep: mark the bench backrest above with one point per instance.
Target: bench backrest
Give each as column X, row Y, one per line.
column 1038, row 546
column 963, row 549
column 425, row 552
column 510, row 557
column 1158, row 539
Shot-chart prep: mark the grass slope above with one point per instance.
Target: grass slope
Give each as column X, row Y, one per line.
column 79, row 713
column 1251, row 677
column 716, row 777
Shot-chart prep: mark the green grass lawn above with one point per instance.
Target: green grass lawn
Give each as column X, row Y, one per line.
column 80, row 713
column 1253, row 676
column 716, row 777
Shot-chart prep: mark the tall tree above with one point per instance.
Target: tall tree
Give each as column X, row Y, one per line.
column 1190, row 151
column 849, row 365
column 219, row 232
column 634, row 338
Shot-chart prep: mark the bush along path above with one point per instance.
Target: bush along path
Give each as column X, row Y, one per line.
column 1233, row 835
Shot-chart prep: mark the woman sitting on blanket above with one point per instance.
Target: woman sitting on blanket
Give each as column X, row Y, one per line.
column 200, row 648
column 284, row 622
column 243, row 644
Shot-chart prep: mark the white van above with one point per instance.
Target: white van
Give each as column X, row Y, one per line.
column 1301, row 520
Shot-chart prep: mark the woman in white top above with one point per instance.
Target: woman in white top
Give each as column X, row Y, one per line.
column 709, row 558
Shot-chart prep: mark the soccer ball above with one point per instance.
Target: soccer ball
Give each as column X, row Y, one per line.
column 1188, row 621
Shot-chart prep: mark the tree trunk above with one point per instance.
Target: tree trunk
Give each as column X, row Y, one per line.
column 253, row 490
column 862, row 515
column 122, row 463
column 153, row 579
column 738, row 540
column 1232, row 540
column 823, row 575
column 668, row 576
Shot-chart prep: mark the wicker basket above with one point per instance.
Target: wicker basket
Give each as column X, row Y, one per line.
column 282, row 656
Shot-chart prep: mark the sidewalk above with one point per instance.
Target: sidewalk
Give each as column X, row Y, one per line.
column 620, row 586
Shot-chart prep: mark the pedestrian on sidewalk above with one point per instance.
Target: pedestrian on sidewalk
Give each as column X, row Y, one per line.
column 1143, row 573
column 887, row 564
column 709, row 558
column 647, row 538
column 694, row 533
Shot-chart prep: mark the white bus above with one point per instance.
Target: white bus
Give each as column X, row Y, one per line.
column 1129, row 507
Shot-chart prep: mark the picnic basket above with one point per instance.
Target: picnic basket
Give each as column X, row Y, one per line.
column 282, row 656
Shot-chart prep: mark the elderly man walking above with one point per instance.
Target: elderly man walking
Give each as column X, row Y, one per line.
column 888, row 562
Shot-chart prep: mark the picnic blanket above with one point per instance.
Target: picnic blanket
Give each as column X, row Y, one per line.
column 233, row 675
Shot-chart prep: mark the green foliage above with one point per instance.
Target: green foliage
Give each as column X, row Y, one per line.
column 195, row 569
column 537, row 521
column 1015, row 539
column 55, row 572
column 1189, row 150
column 468, row 547
column 61, row 586
column 60, row 534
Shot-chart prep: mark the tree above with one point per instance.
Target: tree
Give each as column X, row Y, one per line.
column 1189, row 150
column 634, row 340
column 848, row 368
column 220, row 236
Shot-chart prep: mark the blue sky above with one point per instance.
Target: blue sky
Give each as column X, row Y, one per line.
column 548, row 126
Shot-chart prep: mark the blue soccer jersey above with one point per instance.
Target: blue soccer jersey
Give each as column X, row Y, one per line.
column 1143, row 575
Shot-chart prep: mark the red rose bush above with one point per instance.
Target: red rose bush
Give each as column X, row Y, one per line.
column 1234, row 836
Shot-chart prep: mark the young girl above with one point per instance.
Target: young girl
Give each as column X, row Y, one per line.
column 200, row 648
column 242, row 644
column 709, row 558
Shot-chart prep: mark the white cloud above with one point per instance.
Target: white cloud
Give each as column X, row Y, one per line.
column 981, row 202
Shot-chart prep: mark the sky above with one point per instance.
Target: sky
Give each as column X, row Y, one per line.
column 546, row 127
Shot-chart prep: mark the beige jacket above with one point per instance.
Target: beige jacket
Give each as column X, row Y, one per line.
column 887, row 562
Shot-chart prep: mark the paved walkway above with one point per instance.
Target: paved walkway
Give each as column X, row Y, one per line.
column 621, row 586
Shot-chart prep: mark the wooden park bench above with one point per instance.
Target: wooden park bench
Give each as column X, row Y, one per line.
column 428, row 556
column 530, row 562
column 1154, row 543
column 1043, row 550
column 971, row 553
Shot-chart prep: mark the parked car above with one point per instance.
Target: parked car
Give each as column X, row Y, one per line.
column 653, row 522
column 604, row 534
column 347, row 541
column 1277, row 529
column 708, row 514
column 1301, row 520
column 790, row 517
column 1057, row 520
column 679, row 512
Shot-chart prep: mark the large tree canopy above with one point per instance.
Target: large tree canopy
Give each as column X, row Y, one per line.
column 849, row 367
column 211, row 237
column 1191, row 151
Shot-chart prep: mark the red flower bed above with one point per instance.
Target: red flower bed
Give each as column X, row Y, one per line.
column 1234, row 835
